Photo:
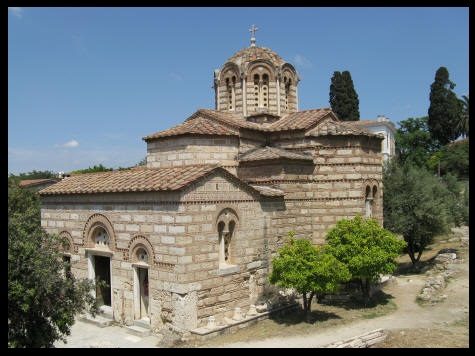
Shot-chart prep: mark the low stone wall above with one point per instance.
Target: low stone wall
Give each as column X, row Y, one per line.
column 362, row 341
column 234, row 325
column 439, row 274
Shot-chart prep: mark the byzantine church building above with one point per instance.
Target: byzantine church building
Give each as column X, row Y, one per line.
column 186, row 242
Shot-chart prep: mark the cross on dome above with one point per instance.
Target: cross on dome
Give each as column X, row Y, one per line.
column 253, row 30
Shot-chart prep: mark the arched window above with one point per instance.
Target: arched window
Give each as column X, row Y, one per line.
column 226, row 227
column 261, row 90
column 142, row 255
column 368, row 201
column 101, row 238
column 264, row 91
column 231, row 92
column 287, row 84
column 256, row 90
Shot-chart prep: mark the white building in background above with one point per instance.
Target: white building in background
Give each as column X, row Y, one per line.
column 385, row 127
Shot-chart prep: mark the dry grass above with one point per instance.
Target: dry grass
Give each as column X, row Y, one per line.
column 453, row 335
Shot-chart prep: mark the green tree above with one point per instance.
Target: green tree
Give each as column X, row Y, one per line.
column 310, row 270
column 462, row 125
column 454, row 159
column 343, row 97
column 42, row 298
column 414, row 143
column 445, row 109
column 94, row 169
column 455, row 200
column 365, row 248
column 414, row 206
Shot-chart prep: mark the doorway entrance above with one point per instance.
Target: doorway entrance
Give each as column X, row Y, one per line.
column 142, row 293
column 103, row 280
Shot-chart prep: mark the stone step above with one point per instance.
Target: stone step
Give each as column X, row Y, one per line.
column 100, row 320
column 138, row 330
column 144, row 323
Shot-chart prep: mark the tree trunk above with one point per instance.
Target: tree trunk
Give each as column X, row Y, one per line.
column 365, row 289
column 411, row 252
column 307, row 305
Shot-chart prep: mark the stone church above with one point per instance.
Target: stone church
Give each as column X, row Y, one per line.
column 186, row 242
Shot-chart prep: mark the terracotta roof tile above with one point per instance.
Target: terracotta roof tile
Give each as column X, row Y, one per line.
column 253, row 53
column 134, row 180
column 198, row 126
column 214, row 122
column 32, row 182
column 362, row 122
column 300, row 120
column 269, row 191
column 230, row 119
column 462, row 140
column 340, row 128
column 207, row 122
column 272, row 153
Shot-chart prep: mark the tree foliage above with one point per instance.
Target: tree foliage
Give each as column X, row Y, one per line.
column 454, row 159
column 310, row 270
column 365, row 248
column 94, row 169
column 414, row 206
column 456, row 200
column 464, row 117
column 414, row 143
column 343, row 97
column 42, row 298
column 445, row 109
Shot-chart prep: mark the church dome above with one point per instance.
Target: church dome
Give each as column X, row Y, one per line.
column 256, row 81
column 252, row 53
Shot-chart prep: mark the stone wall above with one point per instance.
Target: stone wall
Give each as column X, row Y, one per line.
column 187, row 282
column 185, row 150
column 319, row 194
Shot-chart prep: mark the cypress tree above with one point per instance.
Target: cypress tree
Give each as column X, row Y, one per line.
column 343, row 97
column 444, row 110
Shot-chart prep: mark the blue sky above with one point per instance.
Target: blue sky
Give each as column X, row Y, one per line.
column 86, row 84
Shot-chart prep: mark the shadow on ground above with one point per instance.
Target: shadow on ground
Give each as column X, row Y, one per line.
column 298, row 316
column 379, row 301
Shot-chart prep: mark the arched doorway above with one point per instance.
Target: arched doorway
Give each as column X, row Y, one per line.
column 99, row 261
column 141, row 285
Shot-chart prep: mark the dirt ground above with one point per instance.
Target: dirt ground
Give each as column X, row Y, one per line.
column 408, row 323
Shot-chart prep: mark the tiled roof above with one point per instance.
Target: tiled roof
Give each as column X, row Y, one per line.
column 363, row 122
column 253, row 53
column 462, row 140
column 370, row 123
column 207, row 122
column 340, row 128
column 268, row 191
column 32, row 182
column 272, row 153
column 199, row 126
column 140, row 179
column 229, row 118
column 214, row 122
column 300, row 120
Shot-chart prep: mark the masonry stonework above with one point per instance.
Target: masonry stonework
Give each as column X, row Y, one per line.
column 187, row 241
